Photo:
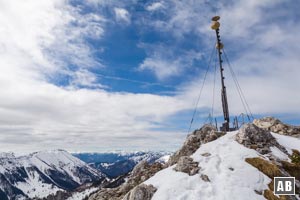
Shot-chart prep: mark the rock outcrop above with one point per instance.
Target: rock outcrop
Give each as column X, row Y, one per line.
column 187, row 165
column 141, row 192
column 276, row 126
column 205, row 134
column 139, row 174
column 257, row 138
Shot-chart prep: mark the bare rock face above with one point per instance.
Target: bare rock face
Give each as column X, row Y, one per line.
column 139, row 174
column 257, row 138
column 276, row 126
column 141, row 192
column 187, row 165
column 143, row 171
column 205, row 134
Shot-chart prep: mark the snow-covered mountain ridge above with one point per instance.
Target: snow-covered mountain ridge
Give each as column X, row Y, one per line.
column 42, row 173
column 212, row 165
column 115, row 164
column 223, row 173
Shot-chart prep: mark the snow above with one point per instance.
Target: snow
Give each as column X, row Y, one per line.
column 59, row 160
column 35, row 188
column 288, row 142
column 2, row 169
column 226, row 153
column 279, row 154
column 83, row 194
column 163, row 159
column 106, row 165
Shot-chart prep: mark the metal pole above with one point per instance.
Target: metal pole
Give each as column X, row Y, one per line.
column 219, row 47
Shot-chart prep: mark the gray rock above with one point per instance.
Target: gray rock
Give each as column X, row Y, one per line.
column 141, row 192
column 187, row 165
column 276, row 126
column 204, row 178
column 205, row 134
column 139, row 174
column 206, row 154
column 257, row 138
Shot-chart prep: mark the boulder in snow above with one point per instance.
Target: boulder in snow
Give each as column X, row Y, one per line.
column 257, row 138
column 204, row 177
column 141, row 192
column 187, row 165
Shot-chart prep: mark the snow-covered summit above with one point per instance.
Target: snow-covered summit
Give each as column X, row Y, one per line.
column 218, row 166
column 224, row 172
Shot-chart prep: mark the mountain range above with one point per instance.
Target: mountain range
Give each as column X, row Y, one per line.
column 210, row 165
column 42, row 173
column 115, row 164
column 58, row 174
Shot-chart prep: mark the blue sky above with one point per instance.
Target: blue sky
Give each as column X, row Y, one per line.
column 126, row 44
column 113, row 75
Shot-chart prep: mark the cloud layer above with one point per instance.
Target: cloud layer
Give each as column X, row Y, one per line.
column 51, row 96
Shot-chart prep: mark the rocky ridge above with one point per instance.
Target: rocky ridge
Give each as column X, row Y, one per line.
column 260, row 139
column 275, row 125
column 251, row 136
column 139, row 174
column 272, row 159
column 267, row 153
column 193, row 141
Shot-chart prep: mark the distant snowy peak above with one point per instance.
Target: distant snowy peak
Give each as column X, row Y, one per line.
column 148, row 156
column 56, row 158
column 6, row 155
column 111, row 157
column 42, row 173
column 115, row 164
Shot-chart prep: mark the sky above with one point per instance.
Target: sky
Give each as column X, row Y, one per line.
column 96, row 75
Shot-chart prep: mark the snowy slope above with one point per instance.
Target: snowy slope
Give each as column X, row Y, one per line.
column 230, row 177
column 83, row 194
column 42, row 173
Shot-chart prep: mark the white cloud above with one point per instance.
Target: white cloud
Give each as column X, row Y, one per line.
column 155, row 6
column 162, row 68
column 56, row 117
column 164, row 62
column 122, row 15
column 84, row 78
column 36, row 114
column 261, row 44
